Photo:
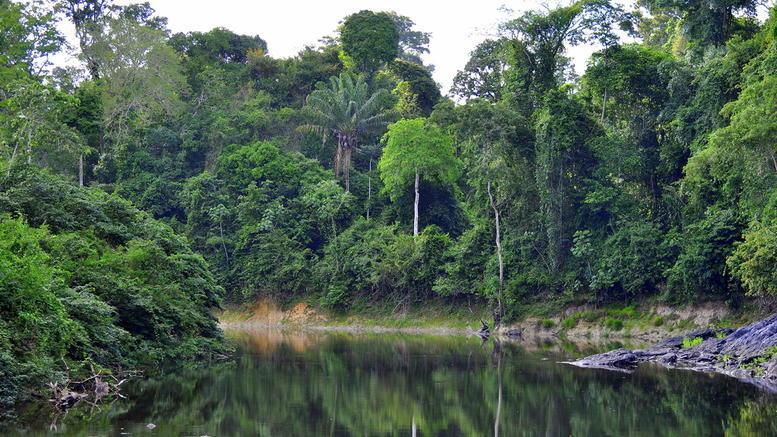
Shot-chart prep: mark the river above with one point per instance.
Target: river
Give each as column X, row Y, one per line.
column 287, row 383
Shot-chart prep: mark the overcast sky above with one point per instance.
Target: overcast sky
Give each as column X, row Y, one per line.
column 289, row 25
column 456, row 26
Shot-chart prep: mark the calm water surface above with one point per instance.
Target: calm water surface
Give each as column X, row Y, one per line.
column 342, row 384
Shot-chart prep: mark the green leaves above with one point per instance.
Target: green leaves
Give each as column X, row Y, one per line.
column 102, row 282
column 33, row 123
column 370, row 39
column 346, row 111
column 754, row 259
column 415, row 146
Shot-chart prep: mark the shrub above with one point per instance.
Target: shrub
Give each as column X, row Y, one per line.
column 569, row 322
column 691, row 342
column 631, row 260
column 754, row 259
column 700, row 266
column 627, row 312
column 613, row 324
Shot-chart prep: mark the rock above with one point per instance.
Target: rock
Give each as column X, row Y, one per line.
column 749, row 353
column 619, row 358
column 150, row 426
column 667, row 359
column 515, row 332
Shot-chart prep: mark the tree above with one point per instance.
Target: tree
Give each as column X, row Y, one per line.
column 563, row 161
column 412, row 43
column 706, row 21
column 419, row 82
column 371, row 40
column 33, row 119
column 754, row 258
column 631, row 83
column 29, row 36
column 218, row 46
column 86, row 16
column 482, row 76
column 416, row 149
column 345, row 110
column 496, row 173
column 537, row 40
column 143, row 79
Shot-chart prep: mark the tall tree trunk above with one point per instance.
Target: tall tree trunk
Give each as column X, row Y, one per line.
column 81, row 170
column 369, row 189
column 339, row 155
column 415, row 205
column 29, row 146
column 498, row 240
column 347, row 167
column 13, row 158
column 604, row 104
column 223, row 244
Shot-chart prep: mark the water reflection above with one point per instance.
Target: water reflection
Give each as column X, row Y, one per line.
column 324, row 384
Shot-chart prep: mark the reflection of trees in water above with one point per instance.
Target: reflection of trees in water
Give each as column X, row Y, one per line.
column 384, row 385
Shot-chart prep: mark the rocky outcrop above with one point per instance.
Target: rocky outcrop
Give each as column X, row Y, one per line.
column 749, row 353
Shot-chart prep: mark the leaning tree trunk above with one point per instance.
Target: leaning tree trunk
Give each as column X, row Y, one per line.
column 415, row 205
column 498, row 240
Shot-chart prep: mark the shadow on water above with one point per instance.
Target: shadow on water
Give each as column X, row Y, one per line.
column 326, row 383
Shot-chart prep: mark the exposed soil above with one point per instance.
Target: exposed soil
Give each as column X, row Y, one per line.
column 641, row 330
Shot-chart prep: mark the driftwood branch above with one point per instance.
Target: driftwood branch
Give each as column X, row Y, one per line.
column 93, row 389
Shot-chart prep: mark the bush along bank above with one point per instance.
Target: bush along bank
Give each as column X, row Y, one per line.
column 90, row 284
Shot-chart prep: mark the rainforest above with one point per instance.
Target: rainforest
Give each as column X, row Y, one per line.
column 162, row 180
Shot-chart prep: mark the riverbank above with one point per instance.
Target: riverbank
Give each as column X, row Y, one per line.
column 647, row 322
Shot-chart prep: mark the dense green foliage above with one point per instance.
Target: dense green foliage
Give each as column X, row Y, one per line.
column 654, row 174
column 88, row 278
column 369, row 40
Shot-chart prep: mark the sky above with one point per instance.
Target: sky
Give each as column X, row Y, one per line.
column 289, row 25
column 456, row 26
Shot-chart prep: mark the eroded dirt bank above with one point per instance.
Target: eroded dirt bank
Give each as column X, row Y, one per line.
column 644, row 324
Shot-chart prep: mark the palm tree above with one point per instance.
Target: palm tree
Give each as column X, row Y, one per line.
column 345, row 110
